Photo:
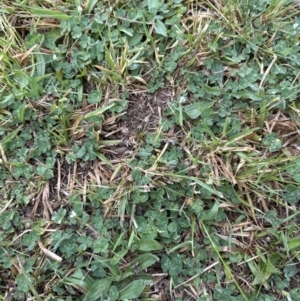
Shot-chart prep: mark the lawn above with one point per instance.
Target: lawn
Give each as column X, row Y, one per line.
column 149, row 150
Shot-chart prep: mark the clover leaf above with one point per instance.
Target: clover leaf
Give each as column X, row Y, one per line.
column 95, row 97
column 272, row 142
column 59, row 215
column 292, row 194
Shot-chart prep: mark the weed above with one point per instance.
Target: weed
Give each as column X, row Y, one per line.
column 149, row 150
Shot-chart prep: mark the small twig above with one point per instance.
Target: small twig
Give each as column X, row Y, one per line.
column 267, row 71
column 49, row 253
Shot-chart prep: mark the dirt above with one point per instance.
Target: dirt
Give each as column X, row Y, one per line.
column 143, row 114
column 145, row 111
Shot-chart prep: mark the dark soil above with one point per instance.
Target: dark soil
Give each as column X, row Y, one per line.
column 145, row 110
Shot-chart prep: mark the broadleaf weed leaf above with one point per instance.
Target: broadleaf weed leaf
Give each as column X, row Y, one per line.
column 134, row 289
column 218, row 154
column 292, row 194
column 160, row 28
column 59, row 215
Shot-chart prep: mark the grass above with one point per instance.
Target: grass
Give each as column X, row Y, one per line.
column 149, row 150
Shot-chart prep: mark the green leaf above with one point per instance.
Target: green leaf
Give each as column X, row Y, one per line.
column 126, row 31
column 113, row 293
column 134, row 289
column 196, row 109
column 41, row 66
column 160, row 28
column 21, row 282
column 271, row 217
column 21, row 78
column 58, row 216
column 246, row 95
column 48, row 13
column 273, row 143
column 90, row 5
column 241, row 135
column 51, row 37
column 135, row 39
column 7, row 100
column 217, row 69
column 209, row 188
column 212, row 212
column 107, row 263
column 24, row 80
column 212, row 90
column 147, row 245
column 292, row 194
column 290, row 270
column 172, row 227
column 104, row 159
column 139, row 197
column 79, row 152
column 119, row 255
column 21, row 112
column 172, row 264
column 193, row 110
column 99, row 289
column 50, row 161
column 100, row 245
column 294, row 243
column 98, row 111
column 296, row 177
column 45, row 171
column 110, row 60
column 153, row 4
column 95, row 97
column 80, row 279
column 145, row 260
column 30, row 240
column 180, row 246
column 265, row 270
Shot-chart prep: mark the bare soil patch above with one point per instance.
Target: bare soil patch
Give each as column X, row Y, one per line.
column 145, row 110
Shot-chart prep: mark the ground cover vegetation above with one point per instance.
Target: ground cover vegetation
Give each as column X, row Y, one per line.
column 150, row 150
